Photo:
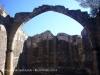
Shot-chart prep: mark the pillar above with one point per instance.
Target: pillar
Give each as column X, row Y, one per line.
column 55, row 54
column 95, row 69
column 79, row 47
column 70, row 52
column 47, row 45
column 9, row 63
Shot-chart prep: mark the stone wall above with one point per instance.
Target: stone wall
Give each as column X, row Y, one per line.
column 18, row 44
column 3, row 12
column 3, row 47
column 48, row 51
column 89, row 55
column 5, row 19
column 4, row 22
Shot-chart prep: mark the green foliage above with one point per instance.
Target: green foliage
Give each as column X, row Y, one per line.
column 94, row 6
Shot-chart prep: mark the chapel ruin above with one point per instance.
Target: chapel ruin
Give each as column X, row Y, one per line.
column 65, row 54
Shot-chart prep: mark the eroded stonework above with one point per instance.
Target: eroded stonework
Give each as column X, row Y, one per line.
column 3, row 47
column 46, row 51
column 91, row 43
column 89, row 55
column 18, row 45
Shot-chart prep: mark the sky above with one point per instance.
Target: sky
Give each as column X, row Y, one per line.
column 53, row 21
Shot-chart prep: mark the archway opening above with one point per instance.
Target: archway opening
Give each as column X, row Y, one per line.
column 53, row 21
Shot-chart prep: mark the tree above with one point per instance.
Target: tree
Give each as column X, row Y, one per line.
column 94, row 6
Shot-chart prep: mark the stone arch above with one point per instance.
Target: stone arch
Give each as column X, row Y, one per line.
column 21, row 18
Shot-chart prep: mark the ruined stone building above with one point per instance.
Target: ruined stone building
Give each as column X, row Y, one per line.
column 46, row 51
column 66, row 53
